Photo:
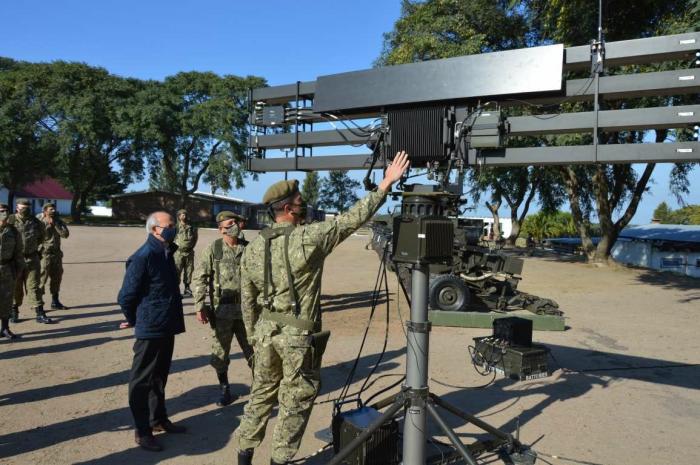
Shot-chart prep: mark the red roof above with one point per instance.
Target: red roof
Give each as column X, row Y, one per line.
column 46, row 188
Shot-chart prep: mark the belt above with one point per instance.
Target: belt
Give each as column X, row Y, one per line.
column 284, row 319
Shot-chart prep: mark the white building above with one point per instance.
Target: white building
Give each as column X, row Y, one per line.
column 40, row 192
column 665, row 247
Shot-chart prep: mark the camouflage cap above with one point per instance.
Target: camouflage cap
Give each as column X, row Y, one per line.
column 226, row 215
column 280, row 190
column 240, row 217
column 3, row 206
column 181, row 211
column 48, row 204
column 23, row 202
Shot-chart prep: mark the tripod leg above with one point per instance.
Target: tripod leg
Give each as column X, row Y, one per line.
column 472, row 419
column 355, row 443
column 463, row 451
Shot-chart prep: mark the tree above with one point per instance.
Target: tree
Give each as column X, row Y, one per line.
column 663, row 213
column 195, row 127
column 26, row 146
column 338, row 191
column 547, row 224
column 310, row 189
column 99, row 149
column 611, row 192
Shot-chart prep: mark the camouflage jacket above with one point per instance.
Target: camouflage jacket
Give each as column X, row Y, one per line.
column 186, row 238
column 32, row 231
column 11, row 249
column 52, row 235
column 309, row 245
column 220, row 279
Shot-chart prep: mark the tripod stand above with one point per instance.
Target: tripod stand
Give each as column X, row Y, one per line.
column 415, row 396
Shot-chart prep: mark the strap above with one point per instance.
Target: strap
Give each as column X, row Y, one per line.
column 290, row 278
column 281, row 318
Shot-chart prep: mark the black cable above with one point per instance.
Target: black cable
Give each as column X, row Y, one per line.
column 382, row 391
column 386, row 331
column 382, row 268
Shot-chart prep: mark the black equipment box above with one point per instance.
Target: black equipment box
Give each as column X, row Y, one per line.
column 513, row 331
column 519, row 363
column 381, row 448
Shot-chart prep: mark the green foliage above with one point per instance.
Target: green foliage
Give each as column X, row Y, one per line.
column 689, row 214
column 338, row 191
column 310, row 189
column 27, row 145
column 544, row 225
column 194, row 125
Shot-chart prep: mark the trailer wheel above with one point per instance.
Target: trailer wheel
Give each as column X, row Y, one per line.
column 448, row 292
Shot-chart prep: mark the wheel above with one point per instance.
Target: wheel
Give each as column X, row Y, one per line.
column 448, row 292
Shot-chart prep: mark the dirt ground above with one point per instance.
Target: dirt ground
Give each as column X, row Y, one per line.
column 629, row 392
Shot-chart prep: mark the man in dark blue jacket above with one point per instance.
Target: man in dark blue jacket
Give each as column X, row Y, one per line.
column 151, row 301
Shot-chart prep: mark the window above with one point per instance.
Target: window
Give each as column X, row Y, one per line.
column 672, row 262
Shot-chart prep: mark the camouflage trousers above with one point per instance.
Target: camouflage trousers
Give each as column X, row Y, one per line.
column 286, row 371
column 30, row 279
column 222, row 336
column 184, row 262
column 52, row 269
column 7, row 288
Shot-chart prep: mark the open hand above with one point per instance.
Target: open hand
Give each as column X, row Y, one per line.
column 124, row 325
column 395, row 170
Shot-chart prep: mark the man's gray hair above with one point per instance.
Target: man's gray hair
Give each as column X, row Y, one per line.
column 152, row 222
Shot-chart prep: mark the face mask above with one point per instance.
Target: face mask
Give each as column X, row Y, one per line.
column 168, row 234
column 24, row 213
column 233, row 230
column 3, row 216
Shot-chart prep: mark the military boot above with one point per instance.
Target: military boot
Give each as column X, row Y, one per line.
column 272, row 462
column 187, row 292
column 56, row 304
column 41, row 316
column 226, row 397
column 14, row 314
column 245, row 457
column 5, row 330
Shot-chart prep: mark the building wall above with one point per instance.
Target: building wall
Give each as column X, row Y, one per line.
column 62, row 206
column 645, row 254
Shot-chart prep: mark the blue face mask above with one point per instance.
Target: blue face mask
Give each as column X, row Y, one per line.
column 168, row 234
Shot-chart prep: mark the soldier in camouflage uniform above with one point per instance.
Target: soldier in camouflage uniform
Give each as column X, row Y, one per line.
column 281, row 303
column 185, row 240
column 218, row 276
column 11, row 264
column 32, row 231
column 51, row 254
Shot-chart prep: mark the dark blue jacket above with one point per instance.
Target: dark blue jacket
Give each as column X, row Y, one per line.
column 150, row 295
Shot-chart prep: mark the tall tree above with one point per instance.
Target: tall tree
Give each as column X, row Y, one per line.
column 195, row 124
column 611, row 192
column 435, row 29
column 310, row 189
column 338, row 191
column 26, row 145
column 99, row 151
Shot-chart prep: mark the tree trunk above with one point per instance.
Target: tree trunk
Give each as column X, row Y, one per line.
column 496, row 229
column 514, row 231
column 572, row 189
column 75, row 208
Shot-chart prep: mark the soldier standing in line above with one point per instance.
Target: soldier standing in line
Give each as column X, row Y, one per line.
column 185, row 240
column 11, row 265
column 32, row 231
column 218, row 276
column 281, row 302
column 51, row 254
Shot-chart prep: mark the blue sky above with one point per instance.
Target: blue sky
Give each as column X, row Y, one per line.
column 283, row 41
